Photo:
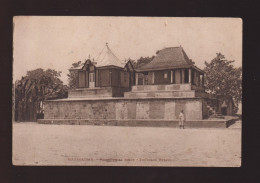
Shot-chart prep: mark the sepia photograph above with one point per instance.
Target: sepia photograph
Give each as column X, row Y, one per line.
column 127, row 91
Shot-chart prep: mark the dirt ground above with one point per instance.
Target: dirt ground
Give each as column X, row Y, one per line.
column 41, row 144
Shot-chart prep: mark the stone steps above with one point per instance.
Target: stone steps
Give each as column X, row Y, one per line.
column 212, row 111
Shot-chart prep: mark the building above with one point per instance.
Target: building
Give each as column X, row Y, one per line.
column 106, row 76
column 170, row 66
column 112, row 93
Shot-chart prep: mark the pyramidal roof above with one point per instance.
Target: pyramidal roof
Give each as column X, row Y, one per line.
column 107, row 58
column 167, row 58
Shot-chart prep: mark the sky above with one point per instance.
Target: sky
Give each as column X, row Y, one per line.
column 56, row 42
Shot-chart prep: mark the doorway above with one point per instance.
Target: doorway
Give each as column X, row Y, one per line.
column 224, row 111
column 91, row 80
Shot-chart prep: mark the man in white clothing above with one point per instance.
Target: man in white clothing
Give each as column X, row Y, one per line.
column 181, row 119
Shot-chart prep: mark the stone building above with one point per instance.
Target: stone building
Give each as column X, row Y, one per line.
column 112, row 93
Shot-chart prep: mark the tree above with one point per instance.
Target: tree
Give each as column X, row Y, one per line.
column 222, row 78
column 141, row 61
column 38, row 85
column 73, row 75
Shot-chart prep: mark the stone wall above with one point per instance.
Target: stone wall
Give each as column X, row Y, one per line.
column 165, row 109
column 171, row 87
column 90, row 92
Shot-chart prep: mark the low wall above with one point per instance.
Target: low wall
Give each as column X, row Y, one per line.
column 90, row 92
column 169, row 87
column 122, row 109
column 142, row 123
column 97, row 92
column 160, row 94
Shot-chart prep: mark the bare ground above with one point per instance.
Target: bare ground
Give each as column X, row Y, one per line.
column 41, row 144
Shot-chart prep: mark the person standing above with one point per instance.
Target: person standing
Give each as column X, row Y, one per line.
column 181, row 119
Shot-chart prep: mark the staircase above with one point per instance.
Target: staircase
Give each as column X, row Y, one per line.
column 212, row 110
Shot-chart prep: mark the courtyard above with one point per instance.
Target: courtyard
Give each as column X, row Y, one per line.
column 83, row 145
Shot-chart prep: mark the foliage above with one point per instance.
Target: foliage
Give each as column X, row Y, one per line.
column 73, row 75
column 141, row 61
column 37, row 86
column 222, row 78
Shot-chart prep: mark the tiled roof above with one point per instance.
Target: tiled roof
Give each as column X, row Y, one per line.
column 107, row 58
column 173, row 57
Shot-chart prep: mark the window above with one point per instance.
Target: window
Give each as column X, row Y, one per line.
column 165, row 75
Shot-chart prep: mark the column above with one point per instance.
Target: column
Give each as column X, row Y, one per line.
column 171, row 76
column 143, row 79
column 182, row 76
column 202, row 80
column 189, row 75
column 136, row 79
column 153, row 78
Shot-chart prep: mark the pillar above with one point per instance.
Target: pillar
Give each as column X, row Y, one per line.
column 202, row 80
column 153, row 78
column 182, row 76
column 143, row 79
column 171, row 76
column 136, row 79
column 189, row 75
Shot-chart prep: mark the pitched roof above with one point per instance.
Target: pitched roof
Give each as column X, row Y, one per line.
column 107, row 58
column 167, row 58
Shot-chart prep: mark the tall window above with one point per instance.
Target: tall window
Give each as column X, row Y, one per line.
column 165, row 75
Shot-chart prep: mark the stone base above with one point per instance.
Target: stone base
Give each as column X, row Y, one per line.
column 216, row 123
column 166, row 91
column 90, row 92
column 126, row 109
column 166, row 94
column 97, row 92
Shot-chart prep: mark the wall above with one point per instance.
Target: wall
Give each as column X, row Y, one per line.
column 115, row 77
column 167, row 109
column 82, row 79
column 162, row 87
column 125, row 79
column 104, row 76
column 159, row 77
column 90, row 92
